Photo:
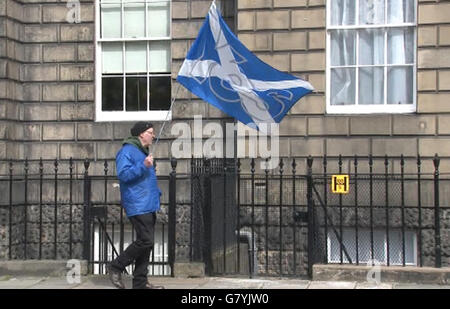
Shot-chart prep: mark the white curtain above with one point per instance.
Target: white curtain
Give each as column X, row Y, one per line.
column 343, row 53
column 400, row 44
column 400, row 51
column 371, row 52
column 343, row 12
column 371, row 12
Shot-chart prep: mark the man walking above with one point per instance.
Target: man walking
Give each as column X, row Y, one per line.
column 140, row 198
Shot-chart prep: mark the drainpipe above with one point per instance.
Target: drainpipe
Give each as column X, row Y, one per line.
column 252, row 250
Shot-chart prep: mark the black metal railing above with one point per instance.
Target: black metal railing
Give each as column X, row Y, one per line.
column 389, row 216
column 238, row 217
column 50, row 211
column 289, row 221
column 273, row 214
column 40, row 215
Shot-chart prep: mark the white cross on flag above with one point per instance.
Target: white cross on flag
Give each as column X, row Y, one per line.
column 222, row 71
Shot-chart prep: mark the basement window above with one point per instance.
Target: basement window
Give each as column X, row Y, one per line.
column 380, row 246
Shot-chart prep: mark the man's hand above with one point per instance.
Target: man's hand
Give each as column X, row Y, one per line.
column 148, row 160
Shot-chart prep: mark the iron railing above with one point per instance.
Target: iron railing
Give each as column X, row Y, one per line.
column 389, row 216
column 235, row 216
column 47, row 213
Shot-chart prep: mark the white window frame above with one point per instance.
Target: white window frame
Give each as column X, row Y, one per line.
column 352, row 232
column 374, row 108
column 100, row 115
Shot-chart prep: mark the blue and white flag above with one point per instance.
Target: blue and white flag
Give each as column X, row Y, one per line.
column 222, row 71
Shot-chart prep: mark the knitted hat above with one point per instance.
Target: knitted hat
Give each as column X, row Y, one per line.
column 140, row 127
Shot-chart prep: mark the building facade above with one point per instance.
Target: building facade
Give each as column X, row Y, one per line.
column 75, row 75
column 51, row 77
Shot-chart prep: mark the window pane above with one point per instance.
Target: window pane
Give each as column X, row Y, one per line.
column 396, row 247
column 400, row 85
column 112, row 58
column 348, row 245
column 409, row 247
column 134, row 19
column 159, row 57
column 401, row 46
column 371, row 47
column 371, row 86
column 401, row 11
column 343, row 51
column 379, row 246
column 379, row 241
column 158, row 18
column 160, row 93
column 343, row 12
column 371, row 12
column 112, row 93
column 135, row 57
column 111, row 21
column 364, row 247
column 136, row 94
column 342, row 86
column 334, row 249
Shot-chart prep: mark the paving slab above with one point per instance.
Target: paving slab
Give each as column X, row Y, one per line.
column 96, row 283
column 54, row 284
column 332, row 285
column 231, row 283
column 184, row 284
column 225, row 283
column 373, row 286
column 290, row 284
column 414, row 286
column 18, row 283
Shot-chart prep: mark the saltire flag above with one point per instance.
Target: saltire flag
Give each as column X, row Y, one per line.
column 222, row 71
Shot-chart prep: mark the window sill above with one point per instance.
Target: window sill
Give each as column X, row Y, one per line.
column 370, row 109
column 133, row 116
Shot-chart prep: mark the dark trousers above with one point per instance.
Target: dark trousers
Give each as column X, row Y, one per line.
column 138, row 251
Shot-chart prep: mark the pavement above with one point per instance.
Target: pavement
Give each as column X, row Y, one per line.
column 203, row 283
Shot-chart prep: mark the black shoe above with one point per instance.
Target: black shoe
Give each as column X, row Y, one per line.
column 116, row 278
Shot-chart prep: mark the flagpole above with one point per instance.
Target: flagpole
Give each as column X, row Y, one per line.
column 167, row 117
column 170, row 109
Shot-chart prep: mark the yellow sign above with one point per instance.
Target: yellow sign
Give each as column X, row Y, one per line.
column 340, row 184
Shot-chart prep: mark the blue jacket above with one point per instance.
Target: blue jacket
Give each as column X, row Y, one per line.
column 138, row 184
